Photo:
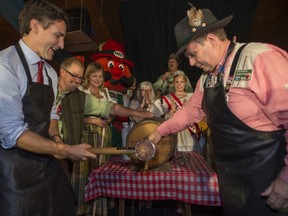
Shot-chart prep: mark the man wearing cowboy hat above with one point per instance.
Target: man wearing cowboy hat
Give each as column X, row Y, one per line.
column 243, row 94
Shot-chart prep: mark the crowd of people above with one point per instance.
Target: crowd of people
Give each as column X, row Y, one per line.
column 50, row 122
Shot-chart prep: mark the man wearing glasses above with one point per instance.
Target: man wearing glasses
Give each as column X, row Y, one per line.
column 74, row 76
column 73, row 106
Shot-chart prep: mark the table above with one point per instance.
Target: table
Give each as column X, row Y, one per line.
column 193, row 182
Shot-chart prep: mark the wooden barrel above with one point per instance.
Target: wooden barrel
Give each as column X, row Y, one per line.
column 164, row 149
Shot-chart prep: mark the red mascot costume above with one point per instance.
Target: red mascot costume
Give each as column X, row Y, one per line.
column 117, row 78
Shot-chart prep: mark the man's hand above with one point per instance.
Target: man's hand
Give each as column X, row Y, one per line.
column 154, row 137
column 166, row 75
column 76, row 152
column 277, row 194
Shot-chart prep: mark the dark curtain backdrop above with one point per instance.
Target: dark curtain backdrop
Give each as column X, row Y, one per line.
column 149, row 31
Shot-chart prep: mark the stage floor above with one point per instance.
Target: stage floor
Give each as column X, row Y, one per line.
column 165, row 208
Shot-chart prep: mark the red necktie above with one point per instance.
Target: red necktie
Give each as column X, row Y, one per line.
column 40, row 72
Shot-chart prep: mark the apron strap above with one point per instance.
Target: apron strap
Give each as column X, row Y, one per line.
column 24, row 62
column 25, row 65
column 235, row 60
column 232, row 70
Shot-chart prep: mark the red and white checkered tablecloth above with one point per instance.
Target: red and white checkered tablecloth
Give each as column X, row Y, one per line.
column 193, row 182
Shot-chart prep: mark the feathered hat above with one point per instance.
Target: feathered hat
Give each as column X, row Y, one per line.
column 195, row 24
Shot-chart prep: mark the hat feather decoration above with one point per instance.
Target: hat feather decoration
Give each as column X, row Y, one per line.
column 195, row 18
column 195, row 24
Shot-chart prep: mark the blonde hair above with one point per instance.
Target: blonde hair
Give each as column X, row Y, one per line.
column 180, row 75
column 93, row 67
column 145, row 85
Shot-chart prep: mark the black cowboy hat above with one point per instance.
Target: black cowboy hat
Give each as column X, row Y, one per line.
column 190, row 28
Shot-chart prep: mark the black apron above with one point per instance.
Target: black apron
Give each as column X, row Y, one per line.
column 247, row 160
column 33, row 184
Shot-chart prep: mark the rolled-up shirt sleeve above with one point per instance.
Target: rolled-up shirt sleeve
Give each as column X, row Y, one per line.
column 13, row 85
column 12, row 123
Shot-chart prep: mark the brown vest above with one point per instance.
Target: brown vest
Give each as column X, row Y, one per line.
column 72, row 115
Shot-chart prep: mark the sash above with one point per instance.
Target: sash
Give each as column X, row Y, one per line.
column 194, row 128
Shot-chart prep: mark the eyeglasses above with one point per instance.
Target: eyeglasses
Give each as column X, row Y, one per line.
column 74, row 76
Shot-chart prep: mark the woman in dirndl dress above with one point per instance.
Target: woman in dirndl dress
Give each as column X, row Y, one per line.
column 97, row 133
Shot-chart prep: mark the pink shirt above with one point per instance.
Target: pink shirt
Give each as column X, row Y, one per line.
column 261, row 102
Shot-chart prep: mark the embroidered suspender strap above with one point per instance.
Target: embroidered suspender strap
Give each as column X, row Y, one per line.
column 235, row 60
column 233, row 67
column 229, row 51
column 194, row 129
column 209, row 81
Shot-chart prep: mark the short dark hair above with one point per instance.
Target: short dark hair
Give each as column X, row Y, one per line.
column 41, row 10
column 174, row 56
column 220, row 33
